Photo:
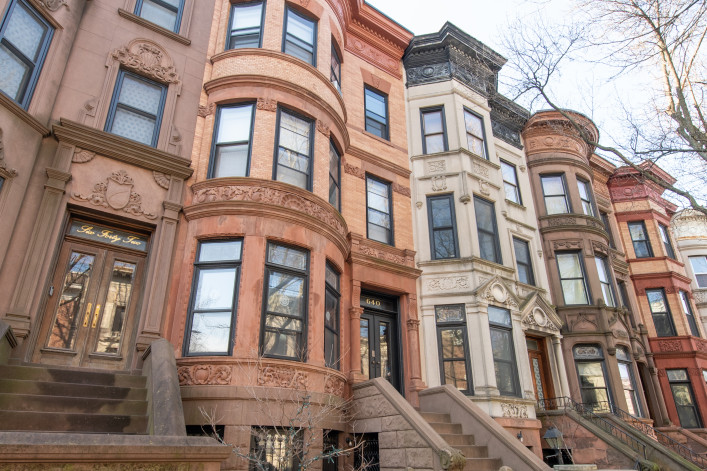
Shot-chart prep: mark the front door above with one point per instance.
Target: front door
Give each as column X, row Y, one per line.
column 379, row 339
column 89, row 316
column 542, row 380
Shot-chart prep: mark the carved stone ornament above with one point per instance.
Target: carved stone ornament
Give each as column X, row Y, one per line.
column 514, row 410
column 204, row 374
column 323, row 128
column 669, row 346
column 600, row 248
column 148, row 59
column 480, row 170
column 537, row 319
column 117, row 193
column 448, row 284
column 206, row 110
column 282, row 377
column 439, row 183
column 355, row 171
column 266, row 104
column 162, row 179
column 54, row 5
column 272, row 196
column 413, row 324
column 82, row 156
column 484, row 187
column 382, row 255
column 403, row 190
column 701, row 345
column 497, row 293
column 436, row 166
column 334, row 385
column 3, row 164
column 567, row 244
column 93, row 466
column 562, row 221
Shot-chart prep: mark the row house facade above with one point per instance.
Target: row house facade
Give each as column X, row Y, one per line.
column 690, row 234
column 487, row 323
column 663, row 289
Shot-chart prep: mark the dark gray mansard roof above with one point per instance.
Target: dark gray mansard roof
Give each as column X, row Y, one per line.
column 453, row 54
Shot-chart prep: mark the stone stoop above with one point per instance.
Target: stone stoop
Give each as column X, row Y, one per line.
column 477, row 457
column 41, row 399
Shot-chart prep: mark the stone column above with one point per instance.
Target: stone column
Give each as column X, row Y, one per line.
column 413, row 326
column 560, row 365
column 355, row 340
column 657, row 393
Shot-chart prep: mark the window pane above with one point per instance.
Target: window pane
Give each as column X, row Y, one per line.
column 699, row 264
column 332, row 278
column 553, row 185
column 285, row 294
column 234, row 124
column 231, row 161
column 455, row 374
column 247, row 16
column 433, row 122
column 591, row 375
column 441, row 212
column 449, row 313
column 569, row 265
column 556, row 205
column 476, row 145
column 210, row 332
column 158, row 14
column 474, row 124
column 501, row 343
column 444, row 245
column 452, row 343
column 214, row 288
column 499, row 315
column 574, row 292
column 378, row 233
column 656, row 300
column 522, row 251
column 509, row 173
column 25, row 32
column 294, row 133
column 281, row 343
column 220, row 250
column 140, row 95
column 638, row 231
column 300, row 27
column 434, row 143
column 285, row 323
column 331, row 309
column 505, row 376
column 375, row 103
column 663, row 324
column 287, row 256
column 15, row 73
column 133, row 126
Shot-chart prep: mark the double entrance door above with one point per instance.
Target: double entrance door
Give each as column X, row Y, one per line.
column 380, row 353
column 91, row 307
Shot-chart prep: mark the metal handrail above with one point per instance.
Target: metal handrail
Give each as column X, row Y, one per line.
column 587, row 412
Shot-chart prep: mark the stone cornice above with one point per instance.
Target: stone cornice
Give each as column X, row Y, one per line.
column 378, row 161
column 122, row 149
column 559, row 160
column 23, row 115
column 150, row 25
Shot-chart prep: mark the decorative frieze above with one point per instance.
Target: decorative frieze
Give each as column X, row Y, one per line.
column 334, row 385
column 116, row 192
column 448, row 283
column 436, row 166
column 389, row 255
column 355, row 171
column 266, row 104
column 515, row 411
column 282, row 377
column 149, row 60
column 562, row 221
column 204, row 374
column 669, row 346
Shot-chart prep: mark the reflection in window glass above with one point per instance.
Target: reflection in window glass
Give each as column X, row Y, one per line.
column 376, row 104
column 294, row 151
column 523, row 262
column 453, row 348
column 443, row 231
column 607, row 288
column 684, row 399
column 246, row 25
column 628, row 382
column 433, row 131
column 489, row 244
column 662, row 318
column 165, row 13
column 475, row 134
column 699, row 267
column 639, row 237
column 555, row 194
column 331, row 318
column 574, row 288
column 300, row 37
column 378, row 216
column 510, row 182
column 232, row 141
column 585, row 196
column 504, row 361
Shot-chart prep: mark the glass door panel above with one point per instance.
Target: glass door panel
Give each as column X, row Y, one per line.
column 110, row 332
column 365, row 349
column 384, row 347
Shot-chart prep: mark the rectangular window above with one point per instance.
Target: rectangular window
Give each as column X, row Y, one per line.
column 504, row 357
column 300, row 39
column 379, row 214
column 665, row 237
column 572, row 279
column 233, row 133
column 555, row 194
column 687, row 309
column 434, row 136
column 523, row 262
column 164, row 13
column 331, row 318
column 585, row 196
column 662, row 318
column 443, row 230
column 607, row 288
column 589, row 360
column 628, row 382
column 214, row 298
column 453, row 347
column 276, row 448
column 246, row 25
column 475, row 134
column 295, row 138
column 334, row 177
column 489, row 245
column 510, row 182
column 335, row 72
column 283, row 333
column 24, row 41
column 699, row 268
column 376, row 104
column 684, row 399
column 639, row 237
column 607, row 227
column 136, row 108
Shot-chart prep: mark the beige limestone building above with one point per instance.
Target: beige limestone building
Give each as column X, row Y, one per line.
column 689, row 229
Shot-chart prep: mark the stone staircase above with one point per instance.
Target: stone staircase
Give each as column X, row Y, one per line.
column 41, row 399
column 477, row 457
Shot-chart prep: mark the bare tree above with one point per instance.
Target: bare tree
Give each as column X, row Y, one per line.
column 663, row 39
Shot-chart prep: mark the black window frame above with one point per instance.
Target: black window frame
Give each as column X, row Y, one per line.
column 623, row 358
column 214, row 139
column 484, row 147
column 604, row 216
column 581, row 182
column 335, row 293
column 2, row 182
column 686, row 381
column 372, row 116
column 587, row 292
column 668, row 314
column 335, row 78
column 527, row 266
column 646, row 241
column 432, row 228
column 665, row 238
column 700, row 277
column 599, row 358
column 507, row 329
column 26, row 90
column 441, row 326
column 179, row 12
column 433, row 109
column 482, row 233
column 565, row 194
column 230, row 36
column 276, row 162
column 115, row 104
column 390, row 209
column 335, row 182
column 199, row 266
column 609, row 283
column 298, row 42
column 515, row 185
column 301, row 354
column 689, row 313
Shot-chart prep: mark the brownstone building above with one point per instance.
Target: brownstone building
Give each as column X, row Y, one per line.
column 664, row 292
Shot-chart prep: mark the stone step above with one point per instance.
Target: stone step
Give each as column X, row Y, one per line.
column 446, row 428
column 437, row 418
column 72, row 422
column 46, row 388
column 483, row 464
column 98, row 405
column 39, row 373
column 473, row 451
column 457, row 440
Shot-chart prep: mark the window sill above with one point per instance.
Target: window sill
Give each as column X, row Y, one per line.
column 21, row 113
column 517, row 205
column 156, row 28
column 377, row 138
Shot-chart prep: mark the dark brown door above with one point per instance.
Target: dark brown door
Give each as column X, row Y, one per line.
column 539, row 368
column 91, row 308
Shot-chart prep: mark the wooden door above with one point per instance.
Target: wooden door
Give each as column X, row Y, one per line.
column 539, row 368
